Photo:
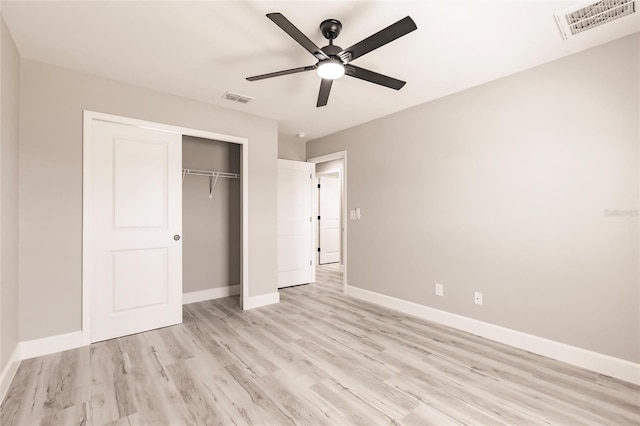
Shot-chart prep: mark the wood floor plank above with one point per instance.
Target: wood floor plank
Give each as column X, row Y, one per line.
column 317, row 358
column 287, row 396
column 133, row 419
column 538, row 407
column 16, row 403
column 357, row 411
column 258, row 395
column 200, row 405
column 424, row 415
column 104, row 403
column 231, row 398
column 239, row 348
column 74, row 415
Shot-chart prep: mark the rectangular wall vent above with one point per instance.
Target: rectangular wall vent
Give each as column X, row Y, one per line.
column 576, row 21
column 234, row 97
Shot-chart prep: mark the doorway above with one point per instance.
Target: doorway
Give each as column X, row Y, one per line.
column 135, row 211
column 332, row 169
column 329, row 217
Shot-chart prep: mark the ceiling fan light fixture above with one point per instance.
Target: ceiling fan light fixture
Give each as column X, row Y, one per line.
column 331, row 69
column 332, row 59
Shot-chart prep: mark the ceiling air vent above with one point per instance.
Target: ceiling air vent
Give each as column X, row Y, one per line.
column 576, row 21
column 234, row 97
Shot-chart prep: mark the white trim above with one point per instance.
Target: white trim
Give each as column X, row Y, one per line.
column 340, row 155
column 87, row 224
column 51, row 344
column 209, row 294
column 9, row 372
column 600, row 363
column 151, row 125
column 244, row 246
column 328, row 157
column 333, row 173
column 87, row 136
column 262, row 300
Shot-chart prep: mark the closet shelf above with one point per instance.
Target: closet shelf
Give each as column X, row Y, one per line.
column 209, row 173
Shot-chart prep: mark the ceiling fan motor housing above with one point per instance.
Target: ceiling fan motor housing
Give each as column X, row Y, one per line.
column 332, row 50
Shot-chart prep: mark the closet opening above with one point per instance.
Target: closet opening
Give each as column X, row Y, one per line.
column 211, row 219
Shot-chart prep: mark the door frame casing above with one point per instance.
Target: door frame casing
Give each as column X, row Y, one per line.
column 87, row 192
column 339, row 155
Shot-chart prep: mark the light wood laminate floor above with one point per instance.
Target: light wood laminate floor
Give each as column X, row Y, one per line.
column 317, row 358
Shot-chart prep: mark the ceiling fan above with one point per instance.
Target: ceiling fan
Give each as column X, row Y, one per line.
column 333, row 61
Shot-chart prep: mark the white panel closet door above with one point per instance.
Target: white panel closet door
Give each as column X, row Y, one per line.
column 137, row 211
column 296, row 239
column 330, row 219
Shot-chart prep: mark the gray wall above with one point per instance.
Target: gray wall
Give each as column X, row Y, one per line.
column 210, row 226
column 52, row 100
column 9, row 124
column 291, row 148
column 502, row 189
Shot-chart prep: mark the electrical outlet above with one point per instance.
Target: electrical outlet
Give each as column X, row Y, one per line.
column 439, row 289
column 477, row 298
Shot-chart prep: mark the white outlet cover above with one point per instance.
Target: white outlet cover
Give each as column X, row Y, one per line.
column 439, row 289
column 477, row 298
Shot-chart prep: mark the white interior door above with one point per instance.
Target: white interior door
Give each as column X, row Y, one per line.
column 137, row 222
column 296, row 239
column 329, row 224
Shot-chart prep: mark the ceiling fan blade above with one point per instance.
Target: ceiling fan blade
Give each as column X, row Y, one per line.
column 325, row 88
column 284, row 72
column 382, row 37
column 373, row 77
column 296, row 34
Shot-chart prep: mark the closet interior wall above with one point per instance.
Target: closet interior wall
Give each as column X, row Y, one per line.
column 211, row 227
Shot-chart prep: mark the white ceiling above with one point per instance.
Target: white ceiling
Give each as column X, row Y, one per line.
column 202, row 49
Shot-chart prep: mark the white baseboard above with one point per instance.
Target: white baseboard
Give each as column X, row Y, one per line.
column 209, row 294
column 50, row 345
column 9, row 372
column 604, row 364
column 262, row 300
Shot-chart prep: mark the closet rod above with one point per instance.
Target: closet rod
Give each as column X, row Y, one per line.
column 209, row 173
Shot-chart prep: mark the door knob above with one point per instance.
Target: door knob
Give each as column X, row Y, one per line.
column 176, row 237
